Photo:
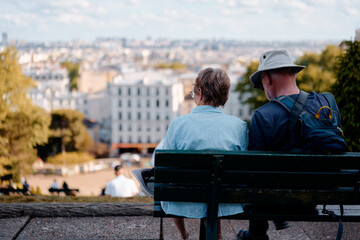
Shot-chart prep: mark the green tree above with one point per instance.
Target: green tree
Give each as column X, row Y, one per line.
column 22, row 124
column 73, row 73
column 67, row 131
column 318, row 76
column 249, row 95
column 347, row 91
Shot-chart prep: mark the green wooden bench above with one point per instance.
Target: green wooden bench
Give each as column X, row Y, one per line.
column 291, row 180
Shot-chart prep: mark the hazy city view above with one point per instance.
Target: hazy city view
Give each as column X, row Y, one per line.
column 118, row 73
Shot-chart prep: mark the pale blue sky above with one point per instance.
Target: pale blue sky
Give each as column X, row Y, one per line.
column 53, row 20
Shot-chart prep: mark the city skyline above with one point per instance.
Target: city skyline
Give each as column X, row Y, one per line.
column 66, row 20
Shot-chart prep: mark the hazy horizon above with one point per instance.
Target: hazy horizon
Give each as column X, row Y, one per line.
column 242, row 20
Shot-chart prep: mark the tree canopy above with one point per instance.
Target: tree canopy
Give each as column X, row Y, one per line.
column 318, row 76
column 73, row 73
column 248, row 94
column 347, row 91
column 22, row 124
column 67, row 132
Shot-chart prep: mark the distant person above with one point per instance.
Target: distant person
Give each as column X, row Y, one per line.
column 67, row 190
column 102, row 194
column 55, row 185
column 26, row 188
column 121, row 186
column 65, row 186
column 205, row 127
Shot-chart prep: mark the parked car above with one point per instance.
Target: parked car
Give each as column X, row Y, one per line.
column 129, row 157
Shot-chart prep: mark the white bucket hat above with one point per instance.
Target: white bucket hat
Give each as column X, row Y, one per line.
column 270, row 60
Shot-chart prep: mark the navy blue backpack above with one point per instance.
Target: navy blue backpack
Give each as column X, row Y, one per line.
column 317, row 135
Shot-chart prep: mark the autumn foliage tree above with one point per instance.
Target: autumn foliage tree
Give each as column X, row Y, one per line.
column 22, row 124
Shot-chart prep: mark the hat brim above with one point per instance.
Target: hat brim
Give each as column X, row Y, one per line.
column 255, row 78
column 147, row 187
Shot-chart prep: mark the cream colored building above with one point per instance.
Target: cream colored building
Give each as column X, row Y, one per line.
column 142, row 106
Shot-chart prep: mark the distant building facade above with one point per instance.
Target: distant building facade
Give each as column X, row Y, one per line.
column 52, row 91
column 357, row 36
column 233, row 106
column 142, row 107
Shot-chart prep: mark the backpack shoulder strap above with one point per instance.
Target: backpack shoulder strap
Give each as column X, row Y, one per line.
column 331, row 100
column 294, row 107
column 285, row 101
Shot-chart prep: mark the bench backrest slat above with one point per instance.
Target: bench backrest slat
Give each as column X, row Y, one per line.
column 257, row 177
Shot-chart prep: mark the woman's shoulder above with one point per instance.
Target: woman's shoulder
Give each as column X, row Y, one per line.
column 233, row 119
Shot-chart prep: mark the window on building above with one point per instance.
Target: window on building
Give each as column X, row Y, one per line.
column 158, row 129
column 240, row 112
column 129, row 115
column 157, row 91
column 139, row 103
column 157, row 116
column 139, row 128
column 139, row 140
column 157, row 103
column 120, row 140
column 147, row 91
column 148, row 129
column 129, row 91
column 129, row 103
column 166, row 91
column 130, row 140
column 149, row 139
column 167, row 117
column 119, row 91
column 147, row 116
column 119, row 115
column 138, row 92
column 129, row 128
column 139, row 115
column 120, row 127
column 119, row 103
column 167, row 103
column 148, row 103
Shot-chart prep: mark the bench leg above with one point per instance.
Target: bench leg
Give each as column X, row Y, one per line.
column 202, row 229
column 211, row 228
column 161, row 237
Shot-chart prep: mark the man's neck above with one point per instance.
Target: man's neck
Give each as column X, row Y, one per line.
column 288, row 92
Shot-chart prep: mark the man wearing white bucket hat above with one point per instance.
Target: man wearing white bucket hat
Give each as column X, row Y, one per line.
column 275, row 126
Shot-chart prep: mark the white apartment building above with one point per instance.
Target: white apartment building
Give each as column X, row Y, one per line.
column 52, row 91
column 143, row 105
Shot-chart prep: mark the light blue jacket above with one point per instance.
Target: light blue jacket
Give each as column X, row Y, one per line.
column 204, row 128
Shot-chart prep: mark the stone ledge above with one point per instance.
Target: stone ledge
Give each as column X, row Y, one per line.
column 12, row 210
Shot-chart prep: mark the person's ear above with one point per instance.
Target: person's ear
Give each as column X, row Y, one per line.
column 200, row 94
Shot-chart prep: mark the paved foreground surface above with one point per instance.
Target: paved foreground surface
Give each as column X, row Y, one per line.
column 147, row 227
